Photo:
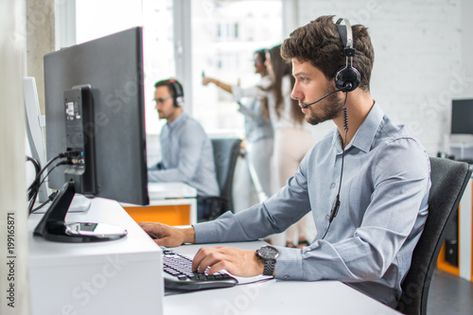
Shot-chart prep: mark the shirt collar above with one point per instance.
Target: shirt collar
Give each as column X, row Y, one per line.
column 365, row 134
column 179, row 121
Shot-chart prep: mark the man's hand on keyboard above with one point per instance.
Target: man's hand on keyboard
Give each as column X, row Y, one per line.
column 165, row 235
column 242, row 263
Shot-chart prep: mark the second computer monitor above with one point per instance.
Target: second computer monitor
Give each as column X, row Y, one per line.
column 462, row 116
column 111, row 67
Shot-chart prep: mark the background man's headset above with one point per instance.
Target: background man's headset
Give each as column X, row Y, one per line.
column 177, row 92
column 347, row 79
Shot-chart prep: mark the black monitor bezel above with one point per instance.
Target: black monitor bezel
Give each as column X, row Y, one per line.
column 113, row 67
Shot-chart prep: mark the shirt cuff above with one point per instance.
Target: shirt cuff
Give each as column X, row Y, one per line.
column 208, row 232
column 237, row 93
column 288, row 264
column 203, row 232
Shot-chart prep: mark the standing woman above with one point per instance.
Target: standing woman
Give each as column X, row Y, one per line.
column 292, row 137
column 258, row 129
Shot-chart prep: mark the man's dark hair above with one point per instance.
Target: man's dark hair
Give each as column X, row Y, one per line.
column 169, row 83
column 319, row 43
column 175, row 89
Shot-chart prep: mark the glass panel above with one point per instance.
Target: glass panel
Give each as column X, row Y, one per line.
column 158, row 46
column 225, row 33
column 95, row 19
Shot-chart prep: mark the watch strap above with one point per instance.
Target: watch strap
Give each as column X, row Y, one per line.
column 269, row 265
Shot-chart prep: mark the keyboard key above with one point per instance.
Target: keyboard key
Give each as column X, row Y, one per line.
column 182, row 277
column 180, row 267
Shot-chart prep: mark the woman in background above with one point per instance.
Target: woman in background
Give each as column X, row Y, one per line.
column 258, row 129
column 292, row 137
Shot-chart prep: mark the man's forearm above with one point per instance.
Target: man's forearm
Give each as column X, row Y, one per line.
column 189, row 235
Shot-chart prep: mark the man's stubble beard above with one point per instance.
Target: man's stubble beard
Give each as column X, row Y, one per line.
column 331, row 107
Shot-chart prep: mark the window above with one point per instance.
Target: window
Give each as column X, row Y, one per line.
column 158, row 50
column 224, row 36
column 217, row 36
column 95, row 19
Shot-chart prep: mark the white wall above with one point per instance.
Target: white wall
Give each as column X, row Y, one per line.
column 421, row 49
column 13, row 245
column 467, row 44
column 40, row 40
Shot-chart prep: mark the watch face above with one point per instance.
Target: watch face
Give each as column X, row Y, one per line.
column 268, row 252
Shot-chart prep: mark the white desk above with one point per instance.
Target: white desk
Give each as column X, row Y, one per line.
column 124, row 277
column 174, row 193
column 119, row 277
column 164, row 196
column 171, row 190
column 273, row 297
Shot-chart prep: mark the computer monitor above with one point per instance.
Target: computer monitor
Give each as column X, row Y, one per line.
column 95, row 109
column 462, row 116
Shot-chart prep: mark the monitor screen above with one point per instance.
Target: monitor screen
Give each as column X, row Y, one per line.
column 462, row 116
column 112, row 68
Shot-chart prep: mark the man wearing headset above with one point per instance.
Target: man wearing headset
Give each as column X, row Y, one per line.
column 186, row 150
column 366, row 184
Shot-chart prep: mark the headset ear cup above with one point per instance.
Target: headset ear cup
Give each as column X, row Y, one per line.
column 347, row 79
column 179, row 101
column 178, row 93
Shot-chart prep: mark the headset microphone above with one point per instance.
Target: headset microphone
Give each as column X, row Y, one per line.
column 307, row 105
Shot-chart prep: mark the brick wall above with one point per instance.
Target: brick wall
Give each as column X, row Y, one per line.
column 422, row 53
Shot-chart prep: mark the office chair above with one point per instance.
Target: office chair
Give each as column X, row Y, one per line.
column 226, row 151
column 449, row 180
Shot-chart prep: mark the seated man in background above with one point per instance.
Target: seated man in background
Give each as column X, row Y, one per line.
column 186, row 151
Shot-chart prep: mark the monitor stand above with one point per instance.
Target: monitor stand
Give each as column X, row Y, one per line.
column 52, row 226
column 79, row 203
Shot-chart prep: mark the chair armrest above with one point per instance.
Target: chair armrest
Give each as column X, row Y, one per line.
column 213, row 206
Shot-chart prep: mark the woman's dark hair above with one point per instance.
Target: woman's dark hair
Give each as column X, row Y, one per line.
column 281, row 69
column 261, row 53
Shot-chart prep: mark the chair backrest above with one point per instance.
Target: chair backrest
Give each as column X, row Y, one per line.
column 226, row 151
column 449, row 179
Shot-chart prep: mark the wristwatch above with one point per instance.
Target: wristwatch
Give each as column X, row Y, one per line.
column 268, row 255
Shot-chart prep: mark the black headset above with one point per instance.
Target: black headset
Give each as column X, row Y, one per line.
column 347, row 78
column 177, row 92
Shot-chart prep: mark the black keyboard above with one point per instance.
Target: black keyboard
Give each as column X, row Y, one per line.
column 178, row 275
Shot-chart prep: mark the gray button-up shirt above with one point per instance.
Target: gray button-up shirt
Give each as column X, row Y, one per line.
column 187, row 156
column 384, row 196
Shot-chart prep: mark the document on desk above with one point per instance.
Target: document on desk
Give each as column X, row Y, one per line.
column 248, row 280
